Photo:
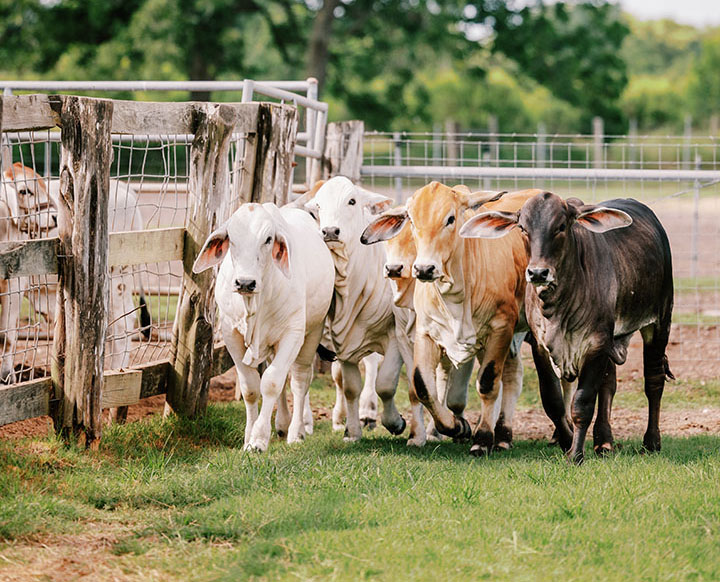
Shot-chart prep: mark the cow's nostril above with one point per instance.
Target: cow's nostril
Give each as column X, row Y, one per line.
column 538, row 275
column 245, row 285
column 54, row 219
column 393, row 271
column 424, row 272
column 331, row 232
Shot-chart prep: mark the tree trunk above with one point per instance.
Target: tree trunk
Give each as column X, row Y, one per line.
column 318, row 52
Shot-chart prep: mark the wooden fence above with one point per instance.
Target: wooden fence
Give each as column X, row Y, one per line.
column 81, row 255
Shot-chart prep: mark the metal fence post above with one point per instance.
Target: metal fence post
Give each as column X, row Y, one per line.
column 598, row 138
column 397, row 161
column 687, row 133
column 696, row 220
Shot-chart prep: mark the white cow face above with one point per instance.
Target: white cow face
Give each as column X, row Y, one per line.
column 26, row 195
column 254, row 242
column 343, row 210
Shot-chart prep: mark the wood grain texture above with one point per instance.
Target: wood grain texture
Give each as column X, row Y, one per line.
column 31, row 257
column 136, row 247
column 82, row 311
column 25, row 400
column 209, row 185
column 343, row 150
column 28, row 113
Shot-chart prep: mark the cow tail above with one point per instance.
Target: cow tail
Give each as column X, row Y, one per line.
column 145, row 319
column 326, row 354
column 666, row 366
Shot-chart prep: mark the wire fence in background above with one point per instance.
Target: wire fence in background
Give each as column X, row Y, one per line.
column 679, row 178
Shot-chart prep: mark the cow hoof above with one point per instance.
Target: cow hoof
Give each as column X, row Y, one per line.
column 503, row 446
column 369, row 423
column 651, row 443
column 434, row 437
column 309, row 429
column 604, row 449
column 281, row 433
column 348, row 438
column 416, row 441
column 479, row 451
column 575, row 459
column 298, row 439
column 398, row 430
column 251, row 448
column 337, row 427
column 464, row 432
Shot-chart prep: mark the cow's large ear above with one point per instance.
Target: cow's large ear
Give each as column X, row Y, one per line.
column 281, row 254
column 385, row 226
column 477, row 199
column 213, row 251
column 312, row 209
column 375, row 203
column 489, row 225
column 602, row 219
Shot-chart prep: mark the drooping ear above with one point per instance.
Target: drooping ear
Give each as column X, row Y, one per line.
column 462, row 188
column 602, row 219
column 489, row 224
column 375, row 203
column 385, row 226
column 477, row 199
column 311, row 208
column 281, row 254
column 213, row 251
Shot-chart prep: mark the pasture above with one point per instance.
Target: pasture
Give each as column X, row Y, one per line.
column 177, row 500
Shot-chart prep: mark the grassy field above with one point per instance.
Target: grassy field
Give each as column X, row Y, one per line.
column 179, row 500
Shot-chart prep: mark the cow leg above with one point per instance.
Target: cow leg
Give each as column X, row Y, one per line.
column 272, row 387
column 603, row 441
column 282, row 417
column 247, row 386
column 442, row 377
column 655, row 370
column 300, row 378
column 456, row 387
column 368, row 396
column 386, row 386
column 489, row 385
column 512, row 379
column 583, row 405
column 9, row 321
column 308, row 415
column 339, row 412
column 568, row 389
column 352, row 386
column 551, row 394
column 422, row 383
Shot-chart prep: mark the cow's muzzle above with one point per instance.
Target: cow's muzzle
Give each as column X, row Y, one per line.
column 245, row 286
column 393, row 271
column 539, row 276
column 425, row 272
column 331, row 233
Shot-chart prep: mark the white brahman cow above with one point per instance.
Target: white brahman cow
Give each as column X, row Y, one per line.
column 273, row 290
column 362, row 320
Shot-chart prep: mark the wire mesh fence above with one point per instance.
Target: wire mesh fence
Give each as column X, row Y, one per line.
column 148, row 190
column 678, row 177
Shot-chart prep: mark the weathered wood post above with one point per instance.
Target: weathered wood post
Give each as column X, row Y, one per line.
column 82, row 308
column 274, row 145
column 343, row 150
column 209, row 189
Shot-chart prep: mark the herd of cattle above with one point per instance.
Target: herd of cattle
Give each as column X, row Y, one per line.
column 460, row 276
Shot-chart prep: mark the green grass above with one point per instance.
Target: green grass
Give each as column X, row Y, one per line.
column 181, row 500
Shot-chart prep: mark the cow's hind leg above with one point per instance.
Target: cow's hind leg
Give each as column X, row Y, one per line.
column 512, row 379
column 282, row 417
column 300, row 378
column 339, row 411
column 656, row 369
column 603, row 442
column 583, row 406
column 352, row 387
column 386, row 386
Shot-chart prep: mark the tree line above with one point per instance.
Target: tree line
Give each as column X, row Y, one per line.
column 396, row 64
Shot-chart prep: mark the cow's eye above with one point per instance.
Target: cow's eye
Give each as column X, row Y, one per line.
column 351, row 202
column 24, row 192
column 450, row 220
column 560, row 228
column 522, row 230
column 268, row 240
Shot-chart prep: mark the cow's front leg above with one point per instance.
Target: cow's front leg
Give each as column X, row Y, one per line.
column 300, row 377
column 247, row 386
column 512, row 379
column 583, row 406
column 339, row 411
column 489, row 384
column 308, row 415
column 386, row 386
column 352, row 386
column 422, row 382
column 368, row 396
column 603, row 442
column 272, row 384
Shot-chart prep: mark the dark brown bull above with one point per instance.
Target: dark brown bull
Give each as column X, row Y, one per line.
column 597, row 274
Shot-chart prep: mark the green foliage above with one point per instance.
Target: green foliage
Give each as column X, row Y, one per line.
column 655, row 101
column 704, row 90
